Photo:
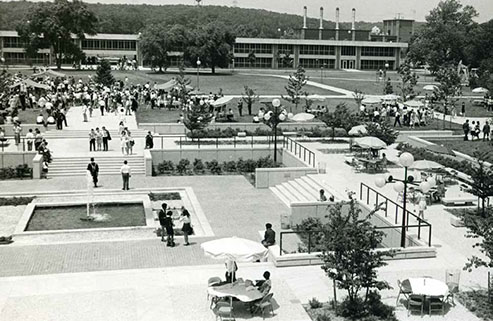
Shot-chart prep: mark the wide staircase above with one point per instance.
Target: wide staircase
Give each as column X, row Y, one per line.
column 304, row 189
column 81, row 133
column 108, row 165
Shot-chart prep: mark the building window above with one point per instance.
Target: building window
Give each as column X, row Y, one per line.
column 253, row 47
column 317, row 50
column 376, row 64
column 348, row 51
column 15, row 58
column 377, row 52
column 101, row 44
column 317, row 63
column 244, row 62
column 12, row 42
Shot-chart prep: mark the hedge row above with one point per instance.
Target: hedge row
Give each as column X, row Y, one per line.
column 232, row 132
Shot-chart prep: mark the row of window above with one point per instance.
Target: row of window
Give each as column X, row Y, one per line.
column 12, row 42
column 243, row 62
column 317, row 50
column 318, row 63
column 255, row 47
column 12, row 58
column 348, row 51
column 376, row 64
column 92, row 44
column 377, row 51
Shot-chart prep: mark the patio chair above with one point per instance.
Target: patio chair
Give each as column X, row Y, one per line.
column 404, row 289
column 452, row 278
column 436, row 304
column 211, row 282
column 358, row 167
column 264, row 304
column 224, row 311
column 415, row 303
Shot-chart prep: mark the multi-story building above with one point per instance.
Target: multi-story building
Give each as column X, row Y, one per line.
column 314, row 48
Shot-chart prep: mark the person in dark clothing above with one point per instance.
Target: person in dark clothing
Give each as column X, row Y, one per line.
column 170, row 233
column 59, row 120
column 463, row 109
column 149, row 140
column 162, row 220
column 93, row 168
column 465, row 128
column 269, row 236
column 240, row 107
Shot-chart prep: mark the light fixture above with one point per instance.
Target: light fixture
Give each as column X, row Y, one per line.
column 406, row 159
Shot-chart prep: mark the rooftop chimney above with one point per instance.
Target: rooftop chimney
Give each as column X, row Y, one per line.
column 321, row 18
column 337, row 18
column 353, row 24
column 304, row 17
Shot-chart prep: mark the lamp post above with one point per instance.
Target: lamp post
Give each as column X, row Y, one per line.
column 386, row 68
column 198, row 74
column 273, row 118
column 406, row 160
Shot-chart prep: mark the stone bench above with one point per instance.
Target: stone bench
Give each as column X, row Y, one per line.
column 456, row 201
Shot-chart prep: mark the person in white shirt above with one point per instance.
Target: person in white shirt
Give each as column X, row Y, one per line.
column 30, row 140
column 126, row 173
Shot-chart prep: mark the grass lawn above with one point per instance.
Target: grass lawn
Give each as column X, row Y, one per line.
column 28, row 116
column 471, row 110
column 467, row 147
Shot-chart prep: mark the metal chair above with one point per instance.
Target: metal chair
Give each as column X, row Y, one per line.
column 224, row 311
column 436, row 304
column 404, row 289
column 452, row 279
column 211, row 282
column 415, row 303
column 264, row 304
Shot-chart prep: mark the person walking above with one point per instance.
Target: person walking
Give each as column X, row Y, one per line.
column 130, row 143
column 106, row 138
column 397, row 117
column 84, row 112
column 187, row 225
column 92, row 140
column 124, row 142
column 93, row 169
column 126, row 174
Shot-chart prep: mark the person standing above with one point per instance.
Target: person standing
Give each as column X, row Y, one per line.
column 240, row 107
column 130, row 143
column 149, row 140
column 17, row 133
column 38, row 139
column 465, row 128
column 30, row 139
column 162, row 219
column 269, row 236
column 124, row 142
column 92, row 140
column 84, row 112
column 106, row 138
column 486, row 131
column 170, row 232
column 126, row 174
column 421, row 205
column 397, row 117
column 463, row 109
column 187, row 225
column 93, row 169
column 99, row 139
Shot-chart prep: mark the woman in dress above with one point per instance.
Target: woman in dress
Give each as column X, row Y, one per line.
column 124, row 142
column 99, row 139
column 421, row 205
column 130, row 143
column 187, row 225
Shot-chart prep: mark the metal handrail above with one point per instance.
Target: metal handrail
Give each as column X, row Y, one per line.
column 299, row 150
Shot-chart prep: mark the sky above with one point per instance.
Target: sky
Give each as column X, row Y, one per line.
column 366, row 10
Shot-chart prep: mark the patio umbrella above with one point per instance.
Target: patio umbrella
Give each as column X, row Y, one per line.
column 30, row 83
column 358, row 130
column 414, row 104
column 430, row 87
column 167, row 85
column 49, row 72
column 371, row 100
column 426, row 165
column 195, row 92
column 303, row 117
column 316, row 97
column 480, row 90
column 222, row 101
column 440, row 149
column 391, row 97
column 370, row 142
column 236, row 249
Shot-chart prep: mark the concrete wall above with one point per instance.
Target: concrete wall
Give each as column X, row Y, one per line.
column 404, row 135
column 37, row 166
column 267, row 177
column 221, row 154
column 290, row 160
column 174, row 128
column 148, row 162
column 14, row 159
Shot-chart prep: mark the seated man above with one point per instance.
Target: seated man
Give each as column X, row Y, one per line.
column 40, row 120
column 322, row 197
column 230, row 115
column 51, row 120
column 269, row 236
column 264, row 286
column 256, row 119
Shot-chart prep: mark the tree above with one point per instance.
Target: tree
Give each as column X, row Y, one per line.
column 450, row 86
column 350, row 258
column 251, row 58
column 382, row 130
column 212, row 44
column 388, row 88
column 442, row 39
column 358, row 96
column 294, row 88
column 409, row 80
column 249, row 97
column 53, row 24
column 341, row 117
column 157, row 41
column 182, row 84
column 197, row 117
column 103, row 74
column 482, row 180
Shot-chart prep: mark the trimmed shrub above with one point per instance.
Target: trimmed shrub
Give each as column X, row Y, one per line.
column 314, row 303
column 214, row 167
column 198, row 166
column 183, row 166
column 229, row 166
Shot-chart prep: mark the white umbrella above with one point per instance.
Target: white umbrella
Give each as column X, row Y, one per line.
column 316, row 97
column 371, row 100
column 303, row 117
column 480, row 90
column 235, row 248
column 222, row 101
column 430, row 87
column 391, row 97
column 358, row 130
column 167, row 85
column 414, row 104
column 426, row 164
column 370, row 142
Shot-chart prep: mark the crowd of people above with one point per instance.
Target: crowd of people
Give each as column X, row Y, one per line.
column 474, row 130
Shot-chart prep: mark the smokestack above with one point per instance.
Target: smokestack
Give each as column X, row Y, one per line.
column 321, row 18
column 337, row 18
column 304, row 17
column 353, row 25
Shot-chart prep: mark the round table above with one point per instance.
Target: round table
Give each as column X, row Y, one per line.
column 428, row 287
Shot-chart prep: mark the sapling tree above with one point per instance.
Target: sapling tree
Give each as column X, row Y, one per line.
column 294, row 88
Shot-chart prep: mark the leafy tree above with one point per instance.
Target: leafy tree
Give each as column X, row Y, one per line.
column 382, row 130
column 249, row 97
column 409, row 80
column 212, row 44
column 341, row 117
column 441, row 40
column 480, row 44
column 449, row 87
column 294, row 88
column 358, row 96
column 103, row 74
column 482, row 180
column 251, row 58
column 52, row 24
column 197, row 117
column 388, row 88
column 350, row 258
column 182, row 84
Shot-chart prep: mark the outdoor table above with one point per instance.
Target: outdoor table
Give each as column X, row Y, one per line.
column 370, row 164
column 428, row 287
column 238, row 290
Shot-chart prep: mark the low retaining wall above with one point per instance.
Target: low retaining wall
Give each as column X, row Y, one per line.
column 14, row 159
column 9, row 128
column 267, row 177
column 404, row 135
column 219, row 154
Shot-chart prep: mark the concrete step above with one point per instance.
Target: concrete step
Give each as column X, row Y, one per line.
column 288, row 194
column 280, row 195
column 299, row 190
column 320, row 180
column 311, row 191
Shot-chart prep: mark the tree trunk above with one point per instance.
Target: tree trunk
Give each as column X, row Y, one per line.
column 213, row 68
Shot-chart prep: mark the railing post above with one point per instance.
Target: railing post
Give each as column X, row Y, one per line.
column 419, row 228
column 386, row 206
column 252, row 142
column 376, row 199
column 368, row 195
column 429, row 235
column 361, row 192
column 396, row 213
column 198, row 144
column 304, row 154
column 280, row 243
column 309, row 242
column 217, row 143
column 162, row 142
column 234, row 141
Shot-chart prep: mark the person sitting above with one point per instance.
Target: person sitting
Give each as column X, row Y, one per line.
column 264, row 286
column 256, row 119
column 230, row 116
column 51, row 120
column 269, row 236
column 322, row 197
column 40, row 120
